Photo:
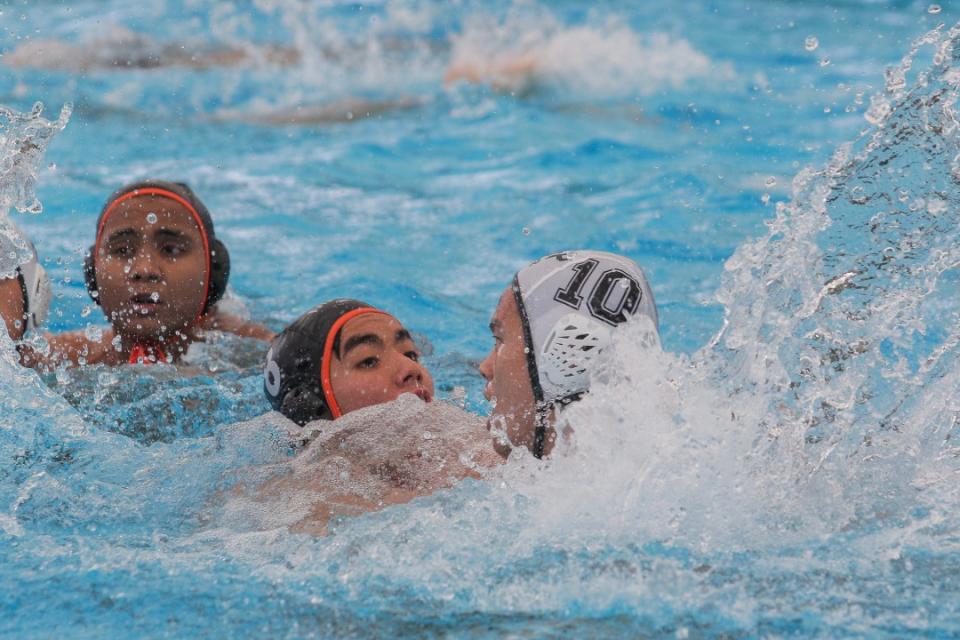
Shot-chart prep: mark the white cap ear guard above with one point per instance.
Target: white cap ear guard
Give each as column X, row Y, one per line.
column 36, row 290
column 570, row 304
column 32, row 276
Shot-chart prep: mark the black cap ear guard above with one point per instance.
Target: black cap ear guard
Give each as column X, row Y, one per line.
column 293, row 387
column 219, row 272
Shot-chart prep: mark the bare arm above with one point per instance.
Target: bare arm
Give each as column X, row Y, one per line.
column 72, row 348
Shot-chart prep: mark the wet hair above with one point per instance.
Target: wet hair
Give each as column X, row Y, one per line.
column 218, row 258
column 296, row 376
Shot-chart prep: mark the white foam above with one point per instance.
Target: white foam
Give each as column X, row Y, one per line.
column 532, row 48
column 368, row 459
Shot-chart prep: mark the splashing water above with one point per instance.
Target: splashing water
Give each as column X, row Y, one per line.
column 23, row 139
column 803, row 458
column 797, row 475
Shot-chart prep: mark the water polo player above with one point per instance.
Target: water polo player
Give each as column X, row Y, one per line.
column 549, row 329
column 342, row 356
column 24, row 298
column 157, row 270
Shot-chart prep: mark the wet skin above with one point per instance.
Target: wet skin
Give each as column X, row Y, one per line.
column 508, row 381
column 377, row 362
column 11, row 307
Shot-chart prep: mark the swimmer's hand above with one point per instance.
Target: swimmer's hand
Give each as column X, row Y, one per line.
column 221, row 321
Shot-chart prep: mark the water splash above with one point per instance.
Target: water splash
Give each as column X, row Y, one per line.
column 798, row 475
column 23, row 140
column 805, row 454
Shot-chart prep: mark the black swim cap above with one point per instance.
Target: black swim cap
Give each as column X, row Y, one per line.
column 296, row 377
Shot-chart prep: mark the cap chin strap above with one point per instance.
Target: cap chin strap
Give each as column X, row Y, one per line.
column 542, row 410
column 542, row 417
column 540, row 428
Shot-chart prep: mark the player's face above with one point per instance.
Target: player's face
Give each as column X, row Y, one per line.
column 151, row 267
column 512, row 420
column 377, row 362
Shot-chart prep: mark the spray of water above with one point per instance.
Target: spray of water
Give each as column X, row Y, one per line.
column 805, row 454
column 804, row 457
column 23, row 139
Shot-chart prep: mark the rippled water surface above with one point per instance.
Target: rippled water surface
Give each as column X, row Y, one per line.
column 785, row 172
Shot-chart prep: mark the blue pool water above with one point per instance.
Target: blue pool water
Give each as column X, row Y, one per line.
column 786, row 173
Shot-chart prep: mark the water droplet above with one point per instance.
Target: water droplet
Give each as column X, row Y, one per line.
column 126, row 268
column 811, row 43
column 765, row 198
column 933, row 9
column 85, row 311
column 771, row 181
column 117, row 345
column 155, row 296
column 151, row 218
column 93, row 333
column 824, row 62
column 526, row 349
column 936, row 206
column 858, row 196
column 525, row 231
column 826, row 109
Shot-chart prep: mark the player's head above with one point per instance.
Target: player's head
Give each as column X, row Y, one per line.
column 156, row 266
column 549, row 328
column 342, row 356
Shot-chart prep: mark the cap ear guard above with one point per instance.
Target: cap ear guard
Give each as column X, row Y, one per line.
column 90, row 275
column 302, row 405
column 299, row 402
column 219, row 273
column 34, row 287
column 37, row 302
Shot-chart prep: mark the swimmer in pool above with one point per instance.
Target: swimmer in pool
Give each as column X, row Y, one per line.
column 351, row 376
column 157, row 270
column 549, row 328
column 342, row 356
column 24, row 298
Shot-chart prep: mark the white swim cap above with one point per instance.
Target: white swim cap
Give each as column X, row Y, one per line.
column 34, row 282
column 570, row 304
